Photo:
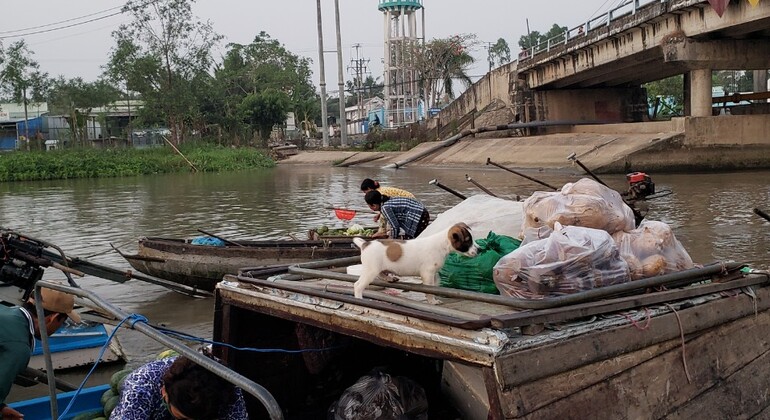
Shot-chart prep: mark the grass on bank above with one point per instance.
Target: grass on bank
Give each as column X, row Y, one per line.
column 105, row 163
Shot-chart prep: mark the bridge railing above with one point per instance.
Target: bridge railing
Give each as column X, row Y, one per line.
column 626, row 8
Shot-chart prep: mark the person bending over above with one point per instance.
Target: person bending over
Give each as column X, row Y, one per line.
column 178, row 388
column 369, row 184
column 407, row 217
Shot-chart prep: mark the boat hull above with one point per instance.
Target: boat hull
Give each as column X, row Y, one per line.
column 203, row 266
column 696, row 351
column 40, row 408
column 78, row 345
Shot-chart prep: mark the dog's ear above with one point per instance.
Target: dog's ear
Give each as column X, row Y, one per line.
column 463, row 225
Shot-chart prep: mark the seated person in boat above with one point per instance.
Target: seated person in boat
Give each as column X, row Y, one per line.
column 369, row 184
column 18, row 329
column 407, row 217
column 178, row 388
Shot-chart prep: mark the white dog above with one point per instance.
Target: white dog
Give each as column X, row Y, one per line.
column 420, row 256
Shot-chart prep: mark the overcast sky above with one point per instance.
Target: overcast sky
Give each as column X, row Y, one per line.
column 80, row 50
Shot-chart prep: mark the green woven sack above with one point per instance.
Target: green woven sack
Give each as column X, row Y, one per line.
column 475, row 273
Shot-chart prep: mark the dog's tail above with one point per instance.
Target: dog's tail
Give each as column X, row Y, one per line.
column 359, row 242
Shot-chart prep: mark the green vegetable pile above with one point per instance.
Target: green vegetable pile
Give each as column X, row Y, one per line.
column 353, row 230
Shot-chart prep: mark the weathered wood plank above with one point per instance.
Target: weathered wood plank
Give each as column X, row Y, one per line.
column 523, row 366
column 527, row 398
column 656, row 387
column 567, row 313
column 748, row 389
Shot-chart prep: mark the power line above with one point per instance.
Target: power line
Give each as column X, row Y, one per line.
column 73, row 24
column 59, row 22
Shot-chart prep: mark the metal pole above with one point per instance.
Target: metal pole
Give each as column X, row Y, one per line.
column 574, row 158
column 246, row 384
column 322, row 81
column 469, row 179
column 46, row 352
column 447, row 189
column 341, row 79
column 489, row 162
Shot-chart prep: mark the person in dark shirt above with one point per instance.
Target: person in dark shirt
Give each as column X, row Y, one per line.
column 18, row 330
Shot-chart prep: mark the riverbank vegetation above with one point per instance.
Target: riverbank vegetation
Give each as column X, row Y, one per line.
column 103, row 163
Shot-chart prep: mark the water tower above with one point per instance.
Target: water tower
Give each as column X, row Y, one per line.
column 401, row 91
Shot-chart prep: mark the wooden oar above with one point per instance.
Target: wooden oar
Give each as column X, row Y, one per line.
column 227, row 241
column 762, row 214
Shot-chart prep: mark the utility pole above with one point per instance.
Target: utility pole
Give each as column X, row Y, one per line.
column 358, row 66
column 341, row 79
column 322, row 82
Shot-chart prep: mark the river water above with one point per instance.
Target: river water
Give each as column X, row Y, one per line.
column 711, row 215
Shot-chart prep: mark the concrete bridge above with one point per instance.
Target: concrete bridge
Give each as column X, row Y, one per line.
column 595, row 72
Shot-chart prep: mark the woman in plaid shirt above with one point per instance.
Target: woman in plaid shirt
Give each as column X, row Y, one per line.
column 372, row 185
column 407, row 217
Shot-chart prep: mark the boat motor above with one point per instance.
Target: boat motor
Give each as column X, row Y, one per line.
column 640, row 185
column 21, row 266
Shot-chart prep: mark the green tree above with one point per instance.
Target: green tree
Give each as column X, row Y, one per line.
column 499, row 53
column 554, row 36
column 442, row 61
column 21, row 80
column 166, row 50
column 367, row 88
column 666, row 96
column 264, row 110
column 265, row 64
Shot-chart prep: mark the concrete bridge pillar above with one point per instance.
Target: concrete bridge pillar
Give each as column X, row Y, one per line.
column 760, row 83
column 700, row 93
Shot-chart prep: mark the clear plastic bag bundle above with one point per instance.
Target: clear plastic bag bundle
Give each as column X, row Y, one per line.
column 585, row 203
column 652, row 250
column 571, row 260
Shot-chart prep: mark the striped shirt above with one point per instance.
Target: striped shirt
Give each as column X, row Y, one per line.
column 402, row 214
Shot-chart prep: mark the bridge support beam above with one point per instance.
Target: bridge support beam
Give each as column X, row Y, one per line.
column 700, row 92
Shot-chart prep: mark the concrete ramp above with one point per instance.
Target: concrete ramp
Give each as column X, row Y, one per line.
column 602, row 152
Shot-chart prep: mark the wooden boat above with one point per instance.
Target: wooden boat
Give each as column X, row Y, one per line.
column 203, row 266
column 88, row 401
column 76, row 345
column 697, row 348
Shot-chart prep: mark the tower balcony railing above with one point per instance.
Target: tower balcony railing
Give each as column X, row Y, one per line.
column 400, row 4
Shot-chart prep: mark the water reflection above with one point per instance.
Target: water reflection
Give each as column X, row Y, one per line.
column 711, row 215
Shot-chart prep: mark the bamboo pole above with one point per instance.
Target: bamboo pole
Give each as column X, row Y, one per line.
column 180, row 153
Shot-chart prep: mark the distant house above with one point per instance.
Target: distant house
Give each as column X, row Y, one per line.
column 14, row 128
column 359, row 118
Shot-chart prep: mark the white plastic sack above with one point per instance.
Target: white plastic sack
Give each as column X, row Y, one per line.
column 482, row 213
column 571, row 260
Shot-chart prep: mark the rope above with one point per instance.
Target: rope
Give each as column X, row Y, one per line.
column 681, row 336
column 636, row 324
column 136, row 318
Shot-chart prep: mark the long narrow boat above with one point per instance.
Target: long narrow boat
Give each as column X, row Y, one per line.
column 203, row 266
column 697, row 347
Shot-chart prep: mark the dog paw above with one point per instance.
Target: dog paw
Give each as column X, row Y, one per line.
column 433, row 300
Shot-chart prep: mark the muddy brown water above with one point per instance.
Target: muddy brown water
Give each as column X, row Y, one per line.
column 711, row 215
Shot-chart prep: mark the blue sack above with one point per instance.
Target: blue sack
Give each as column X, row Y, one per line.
column 207, row 240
